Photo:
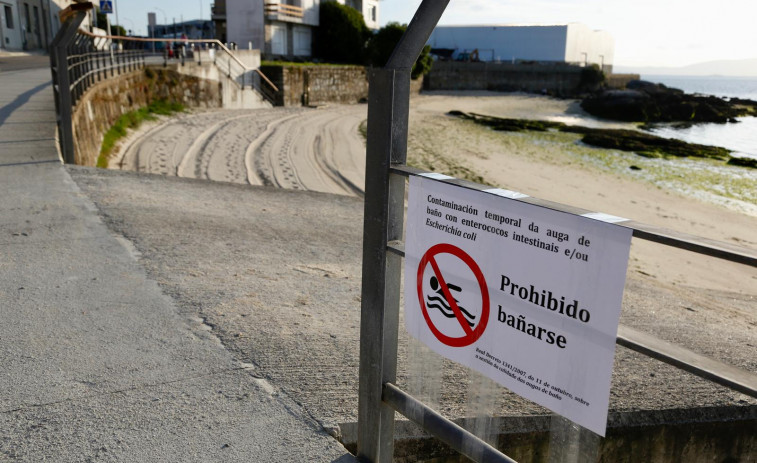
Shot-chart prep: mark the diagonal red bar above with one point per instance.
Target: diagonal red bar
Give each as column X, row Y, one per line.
column 460, row 318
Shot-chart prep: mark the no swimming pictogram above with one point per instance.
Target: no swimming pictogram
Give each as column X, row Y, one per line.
column 437, row 296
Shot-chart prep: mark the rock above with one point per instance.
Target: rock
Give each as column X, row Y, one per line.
column 619, row 105
column 743, row 162
column 643, row 144
column 644, row 101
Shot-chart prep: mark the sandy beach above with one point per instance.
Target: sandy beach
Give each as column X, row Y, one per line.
column 551, row 166
column 322, row 150
column 277, row 273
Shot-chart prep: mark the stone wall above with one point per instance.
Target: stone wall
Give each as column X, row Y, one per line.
column 105, row 102
column 317, row 85
column 314, row 85
column 553, row 79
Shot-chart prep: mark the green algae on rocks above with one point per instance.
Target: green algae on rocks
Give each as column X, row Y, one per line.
column 643, row 144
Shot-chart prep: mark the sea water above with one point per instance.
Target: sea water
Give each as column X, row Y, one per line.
column 740, row 137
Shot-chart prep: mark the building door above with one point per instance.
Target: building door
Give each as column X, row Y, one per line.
column 302, row 41
column 37, row 29
column 278, row 39
column 27, row 30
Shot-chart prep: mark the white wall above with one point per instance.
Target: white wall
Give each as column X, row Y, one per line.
column 504, row 43
column 598, row 46
column 244, row 23
column 11, row 38
column 310, row 14
column 369, row 6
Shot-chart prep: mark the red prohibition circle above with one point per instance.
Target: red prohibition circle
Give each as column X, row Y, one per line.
column 471, row 335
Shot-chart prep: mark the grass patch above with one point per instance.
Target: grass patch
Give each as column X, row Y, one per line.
column 132, row 120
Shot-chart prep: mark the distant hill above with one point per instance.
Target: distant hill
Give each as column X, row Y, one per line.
column 741, row 68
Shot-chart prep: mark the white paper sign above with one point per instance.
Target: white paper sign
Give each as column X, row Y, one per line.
column 528, row 296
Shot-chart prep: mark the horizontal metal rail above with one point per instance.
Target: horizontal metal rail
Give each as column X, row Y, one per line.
column 463, row 441
column 684, row 359
column 643, row 231
column 679, row 357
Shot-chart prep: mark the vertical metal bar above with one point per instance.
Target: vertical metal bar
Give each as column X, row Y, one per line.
column 388, row 109
column 90, row 64
column 98, row 57
column 62, row 82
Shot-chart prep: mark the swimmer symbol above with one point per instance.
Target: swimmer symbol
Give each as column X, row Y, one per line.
column 439, row 301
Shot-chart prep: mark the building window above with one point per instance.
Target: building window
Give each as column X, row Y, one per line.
column 8, row 17
column 373, row 13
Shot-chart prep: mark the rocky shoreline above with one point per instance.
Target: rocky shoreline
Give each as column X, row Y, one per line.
column 647, row 102
column 641, row 143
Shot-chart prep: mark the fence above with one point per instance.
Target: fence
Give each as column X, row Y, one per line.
column 383, row 250
column 80, row 59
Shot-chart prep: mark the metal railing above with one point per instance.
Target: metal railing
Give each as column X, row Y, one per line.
column 192, row 49
column 383, row 251
column 80, row 59
column 91, row 59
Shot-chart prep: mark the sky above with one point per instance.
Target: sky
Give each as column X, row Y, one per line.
column 668, row 33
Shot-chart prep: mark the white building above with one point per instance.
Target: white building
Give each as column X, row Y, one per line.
column 570, row 43
column 30, row 24
column 279, row 28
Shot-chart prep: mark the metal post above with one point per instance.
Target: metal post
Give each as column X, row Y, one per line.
column 388, row 110
column 62, row 82
column 99, row 63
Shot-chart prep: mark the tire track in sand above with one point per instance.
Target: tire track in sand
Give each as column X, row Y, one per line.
column 293, row 148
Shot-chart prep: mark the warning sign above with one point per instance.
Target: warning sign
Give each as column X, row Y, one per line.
column 526, row 295
column 454, row 324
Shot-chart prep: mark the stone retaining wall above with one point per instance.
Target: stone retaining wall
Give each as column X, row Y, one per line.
column 105, row 102
column 314, row 85
column 553, row 79
column 318, row 85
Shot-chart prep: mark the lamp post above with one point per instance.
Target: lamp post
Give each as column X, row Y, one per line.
column 132, row 26
column 165, row 21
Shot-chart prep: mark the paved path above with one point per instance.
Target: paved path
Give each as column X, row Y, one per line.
column 97, row 363
column 293, row 148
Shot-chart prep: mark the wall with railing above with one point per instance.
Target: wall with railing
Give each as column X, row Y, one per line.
column 81, row 61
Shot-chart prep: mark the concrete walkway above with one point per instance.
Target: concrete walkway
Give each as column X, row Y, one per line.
column 97, row 363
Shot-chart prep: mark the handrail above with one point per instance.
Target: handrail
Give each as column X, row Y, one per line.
column 213, row 41
column 672, row 238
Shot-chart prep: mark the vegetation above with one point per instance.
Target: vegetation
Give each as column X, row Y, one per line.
column 133, row 120
column 102, row 23
column 343, row 37
column 342, row 34
column 382, row 44
column 592, row 77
